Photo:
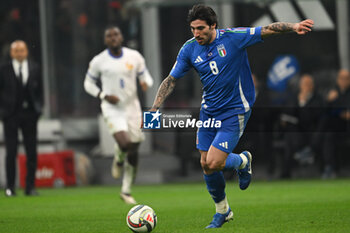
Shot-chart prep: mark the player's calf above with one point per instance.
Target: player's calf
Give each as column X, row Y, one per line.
column 117, row 167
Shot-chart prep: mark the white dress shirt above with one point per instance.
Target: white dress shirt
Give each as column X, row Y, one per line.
column 25, row 70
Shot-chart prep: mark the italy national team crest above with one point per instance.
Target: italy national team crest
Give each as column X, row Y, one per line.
column 221, row 50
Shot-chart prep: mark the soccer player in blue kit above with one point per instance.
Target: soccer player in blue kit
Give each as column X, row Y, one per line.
column 219, row 56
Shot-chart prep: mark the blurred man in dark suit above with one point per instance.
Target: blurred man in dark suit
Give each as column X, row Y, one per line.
column 337, row 123
column 300, row 120
column 21, row 100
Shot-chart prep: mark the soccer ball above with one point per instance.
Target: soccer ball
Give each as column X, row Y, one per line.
column 141, row 218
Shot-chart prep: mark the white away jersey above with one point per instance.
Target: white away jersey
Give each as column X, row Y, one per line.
column 118, row 76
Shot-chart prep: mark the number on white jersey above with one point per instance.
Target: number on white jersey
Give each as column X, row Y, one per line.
column 122, row 84
column 214, row 67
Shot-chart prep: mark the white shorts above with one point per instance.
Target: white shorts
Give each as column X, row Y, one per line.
column 118, row 121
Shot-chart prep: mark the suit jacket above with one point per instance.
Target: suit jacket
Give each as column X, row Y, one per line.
column 309, row 115
column 9, row 90
column 341, row 103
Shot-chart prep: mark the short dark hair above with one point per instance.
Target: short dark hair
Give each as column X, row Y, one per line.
column 202, row 12
column 109, row 27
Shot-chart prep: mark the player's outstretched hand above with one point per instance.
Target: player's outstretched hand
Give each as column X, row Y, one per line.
column 112, row 99
column 303, row 27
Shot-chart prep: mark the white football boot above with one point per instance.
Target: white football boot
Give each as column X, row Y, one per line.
column 128, row 199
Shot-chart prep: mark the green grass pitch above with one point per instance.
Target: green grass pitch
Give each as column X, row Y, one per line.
column 288, row 206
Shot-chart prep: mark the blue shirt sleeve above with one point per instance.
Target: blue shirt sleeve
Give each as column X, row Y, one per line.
column 245, row 37
column 182, row 64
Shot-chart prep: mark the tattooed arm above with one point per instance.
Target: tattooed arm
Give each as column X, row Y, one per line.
column 165, row 88
column 277, row 28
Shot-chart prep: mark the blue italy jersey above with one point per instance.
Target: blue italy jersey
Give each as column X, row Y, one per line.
column 223, row 68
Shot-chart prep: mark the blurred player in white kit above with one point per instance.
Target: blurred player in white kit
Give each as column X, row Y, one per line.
column 118, row 68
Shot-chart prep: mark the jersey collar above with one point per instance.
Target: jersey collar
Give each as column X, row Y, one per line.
column 217, row 33
column 111, row 54
column 216, row 37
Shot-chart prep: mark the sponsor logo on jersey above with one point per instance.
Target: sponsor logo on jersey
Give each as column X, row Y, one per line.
column 221, row 50
column 199, row 59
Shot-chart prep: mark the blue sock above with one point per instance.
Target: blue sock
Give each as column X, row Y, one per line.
column 233, row 161
column 216, row 185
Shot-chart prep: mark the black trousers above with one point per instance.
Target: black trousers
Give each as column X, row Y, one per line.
column 336, row 130
column 26, row 121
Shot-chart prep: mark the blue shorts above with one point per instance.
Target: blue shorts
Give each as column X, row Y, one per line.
column 227, row 136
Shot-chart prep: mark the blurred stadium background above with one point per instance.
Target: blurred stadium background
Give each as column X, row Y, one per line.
column 63, row 35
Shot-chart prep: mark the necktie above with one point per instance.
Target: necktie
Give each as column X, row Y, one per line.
column 20, row 76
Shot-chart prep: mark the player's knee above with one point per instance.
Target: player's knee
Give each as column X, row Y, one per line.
column 123, row 141
column 124, row 146
column 214, row 165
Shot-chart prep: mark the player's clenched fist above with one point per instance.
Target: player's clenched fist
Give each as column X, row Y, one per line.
column 112, row 99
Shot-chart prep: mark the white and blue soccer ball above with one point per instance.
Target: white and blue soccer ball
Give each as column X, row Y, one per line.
column 141, row 218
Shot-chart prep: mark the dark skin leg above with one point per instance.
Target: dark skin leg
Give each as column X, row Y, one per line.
column 130, row 148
